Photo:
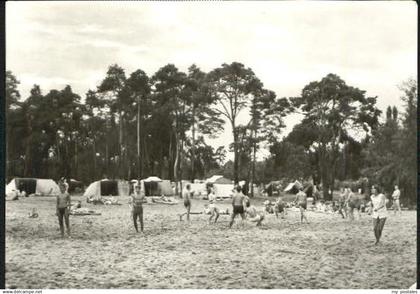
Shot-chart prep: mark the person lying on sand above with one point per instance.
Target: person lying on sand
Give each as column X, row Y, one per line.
column 207, row 210
column 63, row 206
column 238, row 205
column 301, row 201
column 136, row 204
column 253, row 215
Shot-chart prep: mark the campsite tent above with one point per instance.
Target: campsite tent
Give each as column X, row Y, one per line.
column 155, row 186
column 75, row 185
column 39, row 187
column 107, row 188
column 218, row 180
column 293, row 187
column 273, row 188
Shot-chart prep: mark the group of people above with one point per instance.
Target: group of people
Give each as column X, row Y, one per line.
column 241, row 205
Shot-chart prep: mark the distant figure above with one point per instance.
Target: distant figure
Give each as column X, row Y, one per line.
column 279, row 208
column 378, row 205
column 63, row 206
column 352, row 204
column 302, row 202
column 396, row 199
column 186, row 196
column 238, row 205
column 342, row 203
column 212, row 204
column 136, row 202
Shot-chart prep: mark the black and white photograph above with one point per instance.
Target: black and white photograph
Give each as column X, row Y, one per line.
column 211, row 145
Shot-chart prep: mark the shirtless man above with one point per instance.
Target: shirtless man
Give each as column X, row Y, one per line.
column 238, row 205
column 301, row 201
column 396, row 200
column 136, row 203
column 62, row 209
column 186, row 195
column 341, row 203
column 352, row 204
column 212, row 204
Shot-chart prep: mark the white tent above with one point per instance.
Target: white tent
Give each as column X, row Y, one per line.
column 39, row 187
column 293, row 187
column 152, row 179
column 223, row 190
column 199, row 189
column 115, row 188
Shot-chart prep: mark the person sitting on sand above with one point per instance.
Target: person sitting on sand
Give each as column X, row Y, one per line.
column 62, row 209
column 136, row 203
column 253, row 215
column 212, row 205
column 279, row 208
column 301, row 200
column 186, row 196
column 379, row 213
column 238, row 205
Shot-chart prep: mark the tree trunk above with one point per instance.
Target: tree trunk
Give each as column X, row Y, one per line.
column 120, row 141
column 28, row 152
column 94, row 161
column 176, row 162
column 253, row 168
column 139, row 172
column 193, row 146
column 236, row 155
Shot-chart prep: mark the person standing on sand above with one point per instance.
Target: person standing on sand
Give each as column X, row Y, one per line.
column 212, row 204
column 62, row 209
column 238, row 205
column 302, row 202
column 396, row 199
column 136, row 203
column 186, row 195
column 352, row 204
column 279, row 208
column 378, row 205
column 341, row 203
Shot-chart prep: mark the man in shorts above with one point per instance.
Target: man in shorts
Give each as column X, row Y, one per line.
column 396, row 199
column 63, row 206
column 212, row 205
column 301, row 201
column 137, row 200
column 352, row 203
column 186, row 196
column 238, row 205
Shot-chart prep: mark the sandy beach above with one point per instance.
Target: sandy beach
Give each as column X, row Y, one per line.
column 105, row 252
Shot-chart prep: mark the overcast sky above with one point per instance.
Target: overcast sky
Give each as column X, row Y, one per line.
column 371, row 45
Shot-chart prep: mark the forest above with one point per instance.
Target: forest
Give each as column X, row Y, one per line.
column 135, row 125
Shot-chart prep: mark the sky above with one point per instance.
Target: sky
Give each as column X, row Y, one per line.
column 371, row 45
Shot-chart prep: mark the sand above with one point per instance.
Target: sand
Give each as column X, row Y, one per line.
column 105, row 252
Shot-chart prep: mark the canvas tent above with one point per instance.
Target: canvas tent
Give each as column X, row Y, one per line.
column 223, row 190
column 293, row 187
column 107, row 188
column 75, row 185
column 154, row 186
column 218, row 180
column 39, row 187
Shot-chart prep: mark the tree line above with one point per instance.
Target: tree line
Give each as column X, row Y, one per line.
column 134, row 126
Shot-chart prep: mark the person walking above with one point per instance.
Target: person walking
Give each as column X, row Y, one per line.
column 378, row 205
column 62, row 209
column 212, row 205
column 136, row 203
column 302, row 202
column 396, row 199
column 238, row 204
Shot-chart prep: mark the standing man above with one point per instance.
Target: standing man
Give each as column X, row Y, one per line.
column 342, row 203
column 136, row 203
column 352, row 204
column 302, row 202
column 279, row 208
column 186, row 195
column 396, row 199
column 63, row 206
column 238, row 205
column 212, row 204
column 378, row 204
